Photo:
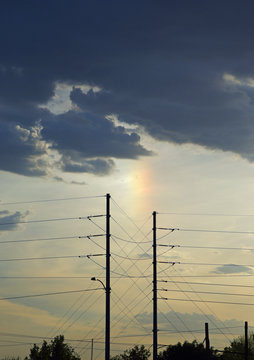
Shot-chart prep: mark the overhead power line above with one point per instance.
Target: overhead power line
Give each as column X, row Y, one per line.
column 70, row 277
column 48, row 294
column 130, row 241
column 213, row 276
column 52, row 257
column 47, row 220
column 207, row 231
column 203, row 214
column 66, row 339
column 202, row 264
column 205, row 247
column 202, row 283
column 208, row 301
column 52, row 238
column 44, row 277
column 51, row 200
column 205, row 292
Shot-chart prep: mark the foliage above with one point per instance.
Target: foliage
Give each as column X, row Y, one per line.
column 187, row 351
column 56, row 350
column 136, row 353
column 236, row 349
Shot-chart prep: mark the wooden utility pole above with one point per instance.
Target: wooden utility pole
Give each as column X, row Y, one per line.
column 155, row 329
column 107, row 288
column 207, row 340
column 246, row 340
column 92, row 349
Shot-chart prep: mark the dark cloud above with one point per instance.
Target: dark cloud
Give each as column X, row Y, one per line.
column 233, row 269
column 10, row 221
column 79, row 183
column 75, row 164
column 91, row 136
column 161, row 66
column 60, row 179
column 87, row 142
column 21, row 150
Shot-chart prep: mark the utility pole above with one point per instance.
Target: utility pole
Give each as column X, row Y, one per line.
column 155, row 328
column 207, row 341
column 246, row 340
column 92, row 349
column 107, row 289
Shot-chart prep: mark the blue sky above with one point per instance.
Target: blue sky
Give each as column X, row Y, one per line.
column 151, row 101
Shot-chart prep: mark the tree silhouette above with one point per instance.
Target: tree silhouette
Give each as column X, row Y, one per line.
column 236, row 349
column 136, row 353
column 187, row 351
column 56, row 350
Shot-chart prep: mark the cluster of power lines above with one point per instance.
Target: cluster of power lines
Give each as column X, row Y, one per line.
column 132, row 279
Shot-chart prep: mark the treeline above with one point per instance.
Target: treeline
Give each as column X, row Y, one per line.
column 194, row 351
column 57, row 349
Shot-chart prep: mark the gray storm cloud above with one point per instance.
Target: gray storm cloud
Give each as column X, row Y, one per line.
column 182, row 73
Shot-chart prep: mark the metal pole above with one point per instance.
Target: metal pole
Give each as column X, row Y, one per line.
column 155, row 329
column 207, row 341
column 107, row 322
column 246, row 340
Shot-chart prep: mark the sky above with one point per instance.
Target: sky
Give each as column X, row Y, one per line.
column 152, row 102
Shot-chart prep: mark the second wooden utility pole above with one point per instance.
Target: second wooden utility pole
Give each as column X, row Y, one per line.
column 207, row 341
column 246, row 340
column 107, row 288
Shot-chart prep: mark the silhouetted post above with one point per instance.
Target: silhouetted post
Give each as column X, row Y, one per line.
column 246, row 340
column 92, row 349
column 107, row 325
column 155, row 329
column 207, row 341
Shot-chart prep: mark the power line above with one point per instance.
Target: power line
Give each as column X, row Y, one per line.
column 209, row 284
column 205, row 247
column 202, row 264
column 67, row 339
column 208, row 317
column 69, row 277
column 131, row 237
column 52, row 257
column 209, row 231
column 45, row 277
column 51, row 238
column 205, row 292
column 213, row 276
column 208, row 301
column 131, row 259
column 203, row 214
column 130, row 241
column 51, row 200
column 48, row 294
column 202, row 330
column 123, row 276
column 130, row 219
column 48, row 220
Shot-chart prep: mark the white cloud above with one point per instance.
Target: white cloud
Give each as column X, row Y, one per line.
column 60, row 102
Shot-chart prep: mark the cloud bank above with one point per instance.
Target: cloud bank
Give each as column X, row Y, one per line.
column 182, row 72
